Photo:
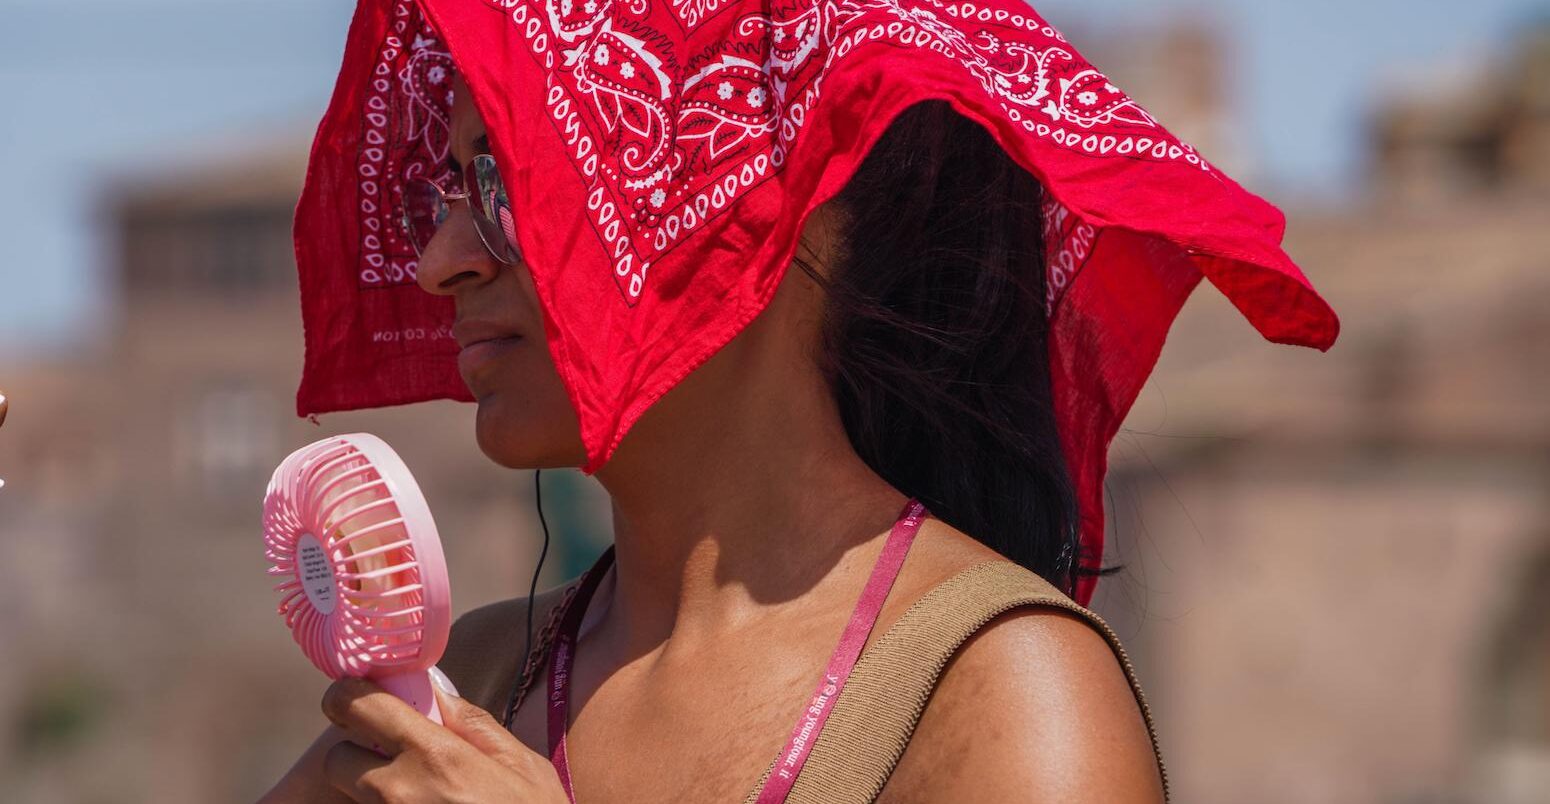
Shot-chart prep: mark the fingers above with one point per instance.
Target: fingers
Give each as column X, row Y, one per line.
column 470, row 757
column 372, row 716
column 476, row 727
column 358, row 773
column 480, row 729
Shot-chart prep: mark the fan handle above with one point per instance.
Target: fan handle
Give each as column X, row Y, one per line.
column 413, row 688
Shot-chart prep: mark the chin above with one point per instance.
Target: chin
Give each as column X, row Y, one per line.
column 516, row 436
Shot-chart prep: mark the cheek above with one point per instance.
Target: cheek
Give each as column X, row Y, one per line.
column 525, row 420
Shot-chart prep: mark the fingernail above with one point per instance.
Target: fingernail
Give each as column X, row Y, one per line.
column 442, row 682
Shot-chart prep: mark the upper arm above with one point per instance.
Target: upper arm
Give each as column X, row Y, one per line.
column 1034, row 707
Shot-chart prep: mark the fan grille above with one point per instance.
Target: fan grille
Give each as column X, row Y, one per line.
column 352, row 593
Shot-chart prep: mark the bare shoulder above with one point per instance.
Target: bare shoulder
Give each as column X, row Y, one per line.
column 498, row 617
column 1034, row 707
column 940, row 552
column 484, row 647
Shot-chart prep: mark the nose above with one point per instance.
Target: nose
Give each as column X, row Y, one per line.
column 455, row 258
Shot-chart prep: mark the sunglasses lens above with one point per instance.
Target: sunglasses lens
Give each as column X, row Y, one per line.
column 424, row 212
column 492, row 209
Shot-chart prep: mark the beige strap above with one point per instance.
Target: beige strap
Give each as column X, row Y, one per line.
column 876, row 713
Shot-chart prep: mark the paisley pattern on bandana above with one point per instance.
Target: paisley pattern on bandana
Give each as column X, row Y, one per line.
column 668, row 139
column 404, row 136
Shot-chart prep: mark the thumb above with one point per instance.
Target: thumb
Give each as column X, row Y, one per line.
column 474, row 725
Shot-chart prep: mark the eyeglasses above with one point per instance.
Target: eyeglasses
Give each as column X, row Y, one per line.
column 426, row 207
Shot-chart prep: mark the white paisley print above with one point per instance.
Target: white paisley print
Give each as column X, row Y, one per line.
column 666, row 139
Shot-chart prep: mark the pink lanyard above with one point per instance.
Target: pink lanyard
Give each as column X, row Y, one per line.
column 789, row 763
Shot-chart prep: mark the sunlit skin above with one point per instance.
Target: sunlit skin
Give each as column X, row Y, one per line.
column 745, row 525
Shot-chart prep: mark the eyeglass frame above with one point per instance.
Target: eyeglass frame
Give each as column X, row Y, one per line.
column 446, row 198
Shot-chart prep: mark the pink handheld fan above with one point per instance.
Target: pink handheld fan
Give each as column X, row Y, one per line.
column 365, row 590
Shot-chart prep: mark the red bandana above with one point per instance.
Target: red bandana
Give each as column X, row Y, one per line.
column 663, row 154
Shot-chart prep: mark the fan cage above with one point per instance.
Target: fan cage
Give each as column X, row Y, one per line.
column 335, row 492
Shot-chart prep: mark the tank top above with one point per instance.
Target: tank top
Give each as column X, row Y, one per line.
column 876, row 713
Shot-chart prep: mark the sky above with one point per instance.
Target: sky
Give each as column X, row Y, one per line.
column 95, row 88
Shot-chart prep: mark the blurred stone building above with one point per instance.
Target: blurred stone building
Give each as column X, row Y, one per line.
column 1337, row 576
column 1338, row 566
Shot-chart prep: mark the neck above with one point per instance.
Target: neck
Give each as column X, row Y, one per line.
column 721, row 518
column 708, row 541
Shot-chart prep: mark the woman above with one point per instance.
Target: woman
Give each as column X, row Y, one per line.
column 897, row 447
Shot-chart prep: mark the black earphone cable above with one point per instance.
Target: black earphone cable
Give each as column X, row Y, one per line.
column 532, row 589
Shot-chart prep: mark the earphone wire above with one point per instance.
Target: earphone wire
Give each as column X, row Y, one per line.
column 532, row 590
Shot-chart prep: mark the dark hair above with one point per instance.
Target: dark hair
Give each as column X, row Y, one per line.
column 934, row 338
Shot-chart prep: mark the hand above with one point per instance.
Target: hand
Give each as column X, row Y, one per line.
column 470, row 760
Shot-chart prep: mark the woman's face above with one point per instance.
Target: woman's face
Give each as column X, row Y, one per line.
column 525, row 419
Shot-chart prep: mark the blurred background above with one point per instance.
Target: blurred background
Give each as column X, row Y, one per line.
column 1336, row 573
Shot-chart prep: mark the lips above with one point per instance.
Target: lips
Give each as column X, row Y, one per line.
column 478, row 353
column 480, row 343
column 470, row 333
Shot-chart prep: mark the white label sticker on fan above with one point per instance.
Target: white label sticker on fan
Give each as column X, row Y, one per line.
column 316, row 573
